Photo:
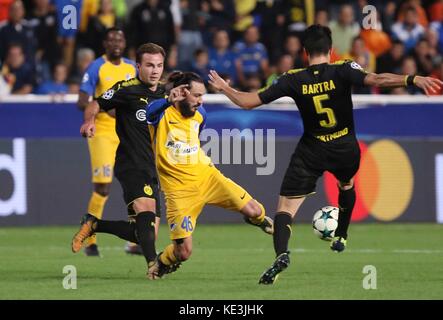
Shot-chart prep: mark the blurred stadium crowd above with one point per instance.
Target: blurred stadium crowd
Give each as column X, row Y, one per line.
column 249, row 42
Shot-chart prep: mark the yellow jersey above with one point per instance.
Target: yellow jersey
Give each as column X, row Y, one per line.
column 180, row 161
column 99, row 77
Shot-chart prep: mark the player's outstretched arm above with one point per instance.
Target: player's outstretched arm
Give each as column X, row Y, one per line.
column 389, row 80
column 88, row 127
column 245, row 100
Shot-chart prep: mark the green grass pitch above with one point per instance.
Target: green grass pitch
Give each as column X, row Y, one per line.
column 226, row 264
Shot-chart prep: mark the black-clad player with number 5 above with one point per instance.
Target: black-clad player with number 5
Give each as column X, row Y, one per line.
column 322, row 93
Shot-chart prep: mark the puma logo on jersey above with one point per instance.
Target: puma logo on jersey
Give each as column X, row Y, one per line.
column 144, row 100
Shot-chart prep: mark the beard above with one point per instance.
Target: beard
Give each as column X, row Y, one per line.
column 186, row 109
column 115, row 56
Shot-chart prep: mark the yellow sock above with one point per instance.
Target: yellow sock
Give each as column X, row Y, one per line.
column 168, row 257
column 261, row 217
column 95, row 207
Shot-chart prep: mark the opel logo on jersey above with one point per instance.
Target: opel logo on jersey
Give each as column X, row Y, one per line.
column 108, row 94
column 141, row 115
column 148, row 190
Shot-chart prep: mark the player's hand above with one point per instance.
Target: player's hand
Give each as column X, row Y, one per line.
column 428, row 84
column 216, row 81
column 87, row 129
column 178, row 93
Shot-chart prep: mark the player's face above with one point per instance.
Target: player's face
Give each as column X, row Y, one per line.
column 189, row 106
column 150, row 69
column 115, row 44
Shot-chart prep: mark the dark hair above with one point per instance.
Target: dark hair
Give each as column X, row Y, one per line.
column 317, row 40
column 150, row 48
column 177, row 78
column 199, row 51
column 410, row 8
column 113, row 29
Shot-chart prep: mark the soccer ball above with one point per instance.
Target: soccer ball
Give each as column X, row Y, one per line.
column 325, row 222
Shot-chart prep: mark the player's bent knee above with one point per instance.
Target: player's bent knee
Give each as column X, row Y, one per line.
column 143, row 205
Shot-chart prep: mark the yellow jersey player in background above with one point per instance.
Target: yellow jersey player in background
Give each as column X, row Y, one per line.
column 188, row 178
column 101, row 75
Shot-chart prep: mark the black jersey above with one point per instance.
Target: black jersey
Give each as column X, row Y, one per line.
column 322, row 93
column 129, row 98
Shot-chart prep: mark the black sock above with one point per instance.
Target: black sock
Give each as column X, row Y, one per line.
column 121, row 229
column 282, row 232
column 346, row 202
column 145, row 227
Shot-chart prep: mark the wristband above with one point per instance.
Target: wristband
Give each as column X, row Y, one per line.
column 410, row 80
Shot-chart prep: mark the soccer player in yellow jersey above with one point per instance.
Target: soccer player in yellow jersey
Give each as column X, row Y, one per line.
column 187, row 176
column 101, row 75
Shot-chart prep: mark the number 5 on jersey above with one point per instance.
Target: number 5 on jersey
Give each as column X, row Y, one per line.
column 318, row 100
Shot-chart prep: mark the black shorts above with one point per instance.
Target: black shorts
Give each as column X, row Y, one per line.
column 312, row 158
column 138, row 184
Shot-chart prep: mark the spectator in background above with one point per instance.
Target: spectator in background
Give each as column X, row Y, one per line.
column 423, row 58
column 391, row 61
column 151, row 22
column 435, row 11
column 292, row 47
column 4, row 9
column 120, row 9
column 44, row 21
column 244, row 17
column 388, row 16
column 85, row 57
column 285, row 63
column 321, row 17
column 17, row 72
column 171, row 61
column 437, row 27
column 252, row 56
column 360, row 54
column 344, row 30
column 271, row 17
column 190, row 38
column 57, row 85
column 18, row 31
column 98, row 24
column 408, row 31
column 200, row 64
column 422, row 19
column 220, row 15
column 432, row 37
column 221, row 58
column 299, row 15
column 253, row 82
column 66, row 36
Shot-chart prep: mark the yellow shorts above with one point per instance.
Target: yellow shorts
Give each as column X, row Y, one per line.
column 184, row 206
column 102, row 148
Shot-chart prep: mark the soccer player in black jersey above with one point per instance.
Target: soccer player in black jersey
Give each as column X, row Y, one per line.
column 135, row 162
column 322, row 93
